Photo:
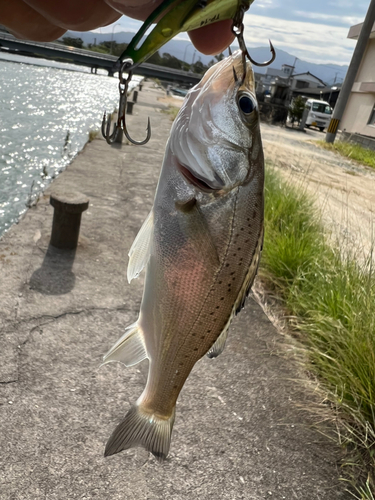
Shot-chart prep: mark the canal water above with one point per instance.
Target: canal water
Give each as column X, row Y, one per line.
column 46, row 113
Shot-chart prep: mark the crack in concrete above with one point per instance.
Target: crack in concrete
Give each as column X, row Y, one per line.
column 13, row 326
column 51, row 319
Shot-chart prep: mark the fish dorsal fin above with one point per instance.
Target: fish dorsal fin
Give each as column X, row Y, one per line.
column 219, row 345
column 129, row 349
column 140, row 250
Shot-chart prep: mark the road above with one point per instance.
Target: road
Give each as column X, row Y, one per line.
column 344, row 190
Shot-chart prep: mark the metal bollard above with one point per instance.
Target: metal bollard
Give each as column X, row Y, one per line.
column 68, row 206
column 119, row 136
column 129, row 107
column 140, row 86
column 135, row 95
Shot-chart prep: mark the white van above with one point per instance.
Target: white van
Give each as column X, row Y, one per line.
column 319, row 114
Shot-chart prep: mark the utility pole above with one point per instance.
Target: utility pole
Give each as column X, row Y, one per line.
column 192, row 62
column 352, row 73
column 330, row 94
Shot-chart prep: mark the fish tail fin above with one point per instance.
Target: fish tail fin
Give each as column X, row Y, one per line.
column 141, row 428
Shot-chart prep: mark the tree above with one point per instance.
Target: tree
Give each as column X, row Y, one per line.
column 198, row 67
column 171, row 61
column 296, row 109
column 73, row 42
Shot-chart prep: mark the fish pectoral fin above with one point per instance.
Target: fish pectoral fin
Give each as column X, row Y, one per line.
column 194, row 225
column 130, row 349
column 219, row 345
column 140, row 428
column 140, row 250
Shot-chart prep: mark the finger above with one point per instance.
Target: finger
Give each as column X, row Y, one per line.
column 214, row 38
column 24, row 22
column 82, row 15
column 137, row 9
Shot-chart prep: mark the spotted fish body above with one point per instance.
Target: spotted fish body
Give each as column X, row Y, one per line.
column 200, row 245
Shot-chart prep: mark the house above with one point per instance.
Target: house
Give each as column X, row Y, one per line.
column 271, row 75
column 306, row 80
column 328, row 94
column 359, row 114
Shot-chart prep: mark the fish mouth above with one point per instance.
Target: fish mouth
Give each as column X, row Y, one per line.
column 200, row 182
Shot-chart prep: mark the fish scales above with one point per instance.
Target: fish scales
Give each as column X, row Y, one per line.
column 201, row 246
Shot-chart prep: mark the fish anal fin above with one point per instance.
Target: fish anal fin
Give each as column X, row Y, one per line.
column 129, row 349
column 140, row 250
column 140, row 428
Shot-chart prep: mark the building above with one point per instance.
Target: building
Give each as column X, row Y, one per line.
column 328, row 94
column 272, row 75
column 359, row 114
column 306, row 80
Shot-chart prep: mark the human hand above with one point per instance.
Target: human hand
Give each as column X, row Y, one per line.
column 47, row 20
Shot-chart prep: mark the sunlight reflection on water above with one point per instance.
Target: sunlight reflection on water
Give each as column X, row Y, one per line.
column 46, row 114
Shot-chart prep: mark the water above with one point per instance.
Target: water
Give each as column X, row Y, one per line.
column 46, row 114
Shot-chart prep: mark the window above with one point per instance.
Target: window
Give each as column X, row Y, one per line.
column 300, row 84
column 371, row 120
column 322, row 108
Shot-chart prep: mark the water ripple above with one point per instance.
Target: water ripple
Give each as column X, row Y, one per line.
column 46, row 114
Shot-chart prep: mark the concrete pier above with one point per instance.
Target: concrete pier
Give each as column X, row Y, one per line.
column 239, row 430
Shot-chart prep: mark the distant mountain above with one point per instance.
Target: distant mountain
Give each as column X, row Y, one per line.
column 183, row 49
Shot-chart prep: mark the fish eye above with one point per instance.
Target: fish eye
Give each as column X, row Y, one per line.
column 246, row 104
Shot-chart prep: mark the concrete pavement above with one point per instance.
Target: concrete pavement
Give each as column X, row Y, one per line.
column 239, row 433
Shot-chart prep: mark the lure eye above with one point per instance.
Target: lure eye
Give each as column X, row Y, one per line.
column 246, row 104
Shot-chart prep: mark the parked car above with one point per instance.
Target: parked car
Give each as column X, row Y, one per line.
column 319, row 114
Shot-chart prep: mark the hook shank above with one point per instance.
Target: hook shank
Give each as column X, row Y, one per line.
column 121, row 120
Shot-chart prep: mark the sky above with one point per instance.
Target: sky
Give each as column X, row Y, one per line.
column 314, row 31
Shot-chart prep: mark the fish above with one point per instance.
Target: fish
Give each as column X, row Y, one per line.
column 200, row 244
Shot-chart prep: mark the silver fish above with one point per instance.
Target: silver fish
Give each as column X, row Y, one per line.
column 200, row 244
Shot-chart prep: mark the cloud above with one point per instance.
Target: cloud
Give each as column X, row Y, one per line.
column 336, row 20
column 310, row 41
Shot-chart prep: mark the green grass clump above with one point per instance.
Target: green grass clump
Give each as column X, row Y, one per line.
column 331, row 297
column 172, row 111
column 93, row 134
column 353, row 151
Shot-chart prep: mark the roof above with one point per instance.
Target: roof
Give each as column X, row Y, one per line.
column 274, row 72
column 356, row 29
column 316, row 91
column 310, row 74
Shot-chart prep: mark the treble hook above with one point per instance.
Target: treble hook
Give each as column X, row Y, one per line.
column 238, row 29
column 121, row 121
column 273, row 57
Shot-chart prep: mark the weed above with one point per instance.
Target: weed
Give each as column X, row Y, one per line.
column 172, row 111
column 352, row 151
column 93, row 135
column 331, row 296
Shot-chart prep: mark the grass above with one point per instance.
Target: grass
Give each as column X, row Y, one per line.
column 93, row 134
column 353, row 151
column 172, row 111
column 331, row 298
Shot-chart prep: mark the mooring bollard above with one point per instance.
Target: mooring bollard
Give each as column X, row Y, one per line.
column 135, row 95
column 129, row 107
column 68, row 206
